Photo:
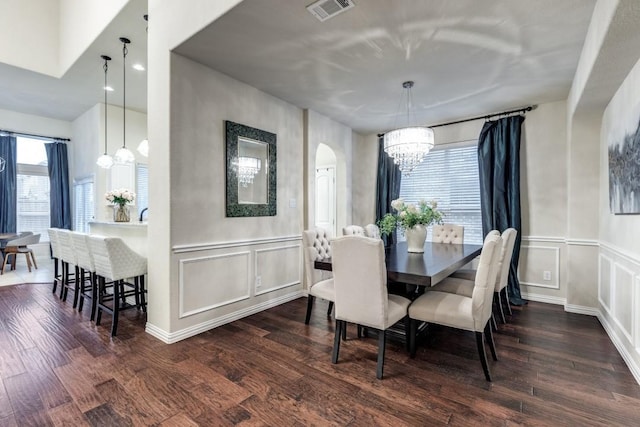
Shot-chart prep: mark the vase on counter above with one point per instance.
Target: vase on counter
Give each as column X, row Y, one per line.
column 416, row 237
column 121, row 213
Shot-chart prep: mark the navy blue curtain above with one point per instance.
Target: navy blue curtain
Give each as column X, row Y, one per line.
column 388, row 187
column 8, row 191
column 59, row 181
column 499, row 168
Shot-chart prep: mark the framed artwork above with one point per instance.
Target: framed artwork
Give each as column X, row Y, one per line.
column 624, row 173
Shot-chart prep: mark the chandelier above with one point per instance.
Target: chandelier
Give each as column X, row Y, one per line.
column 408, row 146
column 248, row 168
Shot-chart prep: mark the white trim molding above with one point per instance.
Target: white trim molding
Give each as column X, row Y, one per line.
column 173, row 337
column 556, row 269
column 628, row 358
column 282, row 285
column 561, row 240
column 549, row 299
column 178, row 249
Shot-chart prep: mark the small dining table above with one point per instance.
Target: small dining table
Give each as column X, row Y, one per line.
column 438, row 261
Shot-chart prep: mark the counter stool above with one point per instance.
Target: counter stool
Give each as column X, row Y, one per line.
column 68, row 258
column 87, row 271
column 55, row 254
column 116, row 261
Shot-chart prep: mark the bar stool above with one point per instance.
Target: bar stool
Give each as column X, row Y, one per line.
column 55, row 254
column 86, row 265
column 68, row 257
column 116, row 261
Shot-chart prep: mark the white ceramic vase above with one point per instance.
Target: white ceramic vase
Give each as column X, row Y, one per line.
column 416, row 237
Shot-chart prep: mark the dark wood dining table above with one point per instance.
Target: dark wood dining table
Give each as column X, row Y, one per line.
column 438, row 261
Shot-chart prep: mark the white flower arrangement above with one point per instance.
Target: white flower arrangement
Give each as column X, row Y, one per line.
column 409, row 215
column 120, row 196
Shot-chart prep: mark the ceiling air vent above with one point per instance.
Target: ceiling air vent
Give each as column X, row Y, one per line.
column 325, row 9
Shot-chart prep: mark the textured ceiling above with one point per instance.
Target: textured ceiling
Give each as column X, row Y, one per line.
column 467, row 57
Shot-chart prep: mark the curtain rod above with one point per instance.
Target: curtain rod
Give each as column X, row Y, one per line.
column 31, row 135
column 486, row 117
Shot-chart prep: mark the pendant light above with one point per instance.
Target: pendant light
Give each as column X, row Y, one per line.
column 124, row 156
column 105, row 161
column 143, row 148
column 410, row 144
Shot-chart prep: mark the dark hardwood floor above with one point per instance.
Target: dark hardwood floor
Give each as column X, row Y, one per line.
column 58, row 368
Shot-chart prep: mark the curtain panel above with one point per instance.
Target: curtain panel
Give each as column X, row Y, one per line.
column 388, row 187
column 499, row 169
column 59, row 181
column 8, row 185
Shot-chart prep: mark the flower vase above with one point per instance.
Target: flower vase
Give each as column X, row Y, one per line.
column 416, row 237
column 121, row 213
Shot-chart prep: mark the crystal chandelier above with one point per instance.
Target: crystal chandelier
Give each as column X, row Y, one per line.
column 408, row 146
column 248, row 168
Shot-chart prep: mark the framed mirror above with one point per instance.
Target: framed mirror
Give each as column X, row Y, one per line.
column 251, row 171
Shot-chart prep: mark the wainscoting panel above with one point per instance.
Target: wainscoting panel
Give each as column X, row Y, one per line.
column 207, row 282
column 277, row 268
column 604, row 284
column 622, row 299
column 534, row 261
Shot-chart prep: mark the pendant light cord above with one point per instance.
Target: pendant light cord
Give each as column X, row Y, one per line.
column 105, row 67
column 124, row 91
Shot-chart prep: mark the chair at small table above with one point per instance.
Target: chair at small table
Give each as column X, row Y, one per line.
column 20, row 246
column 360, row 279
column 372, row 230
column 460, row 311
column 319, row 282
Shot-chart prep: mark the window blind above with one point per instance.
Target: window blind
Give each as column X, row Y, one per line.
column 449, row 176
column 142, row 187
column 84, row 205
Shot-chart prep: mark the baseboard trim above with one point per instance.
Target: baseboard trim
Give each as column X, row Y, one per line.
column 549, row 299
column 628, row 359
column 581, row 309
column 173, row 337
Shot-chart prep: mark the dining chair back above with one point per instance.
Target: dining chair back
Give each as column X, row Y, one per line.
column 353, row 230
column 69, row 261
column 360, row 280
column 319, row 282
column 372, row 230
column 448, row 233
column 55, row 254
column 87, row 271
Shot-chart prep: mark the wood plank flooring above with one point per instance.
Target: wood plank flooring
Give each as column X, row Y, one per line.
column 270, row 369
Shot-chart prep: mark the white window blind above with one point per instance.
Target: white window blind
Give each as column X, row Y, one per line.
column 142, row 187
column 449, row 176
column 84, row 204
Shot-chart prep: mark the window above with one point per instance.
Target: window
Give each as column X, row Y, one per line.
column 449, row 176
column 32, row 187
column 142, row 185
column 83, row 211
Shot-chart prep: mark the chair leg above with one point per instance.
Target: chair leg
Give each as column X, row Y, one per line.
column 33, row 259
column 381, row 346
column 497, row 296
column 116, row 307
column 65, row 281
column 99, row 294
column 330, row 308
column 26, row 255
column 407, row 333
column 94, row 295
column 344, row 331
column 359, row 331
column 82, row 289
column 76, row 286
column 489, row 336
column 309, row 307
column 55, row 275
column 494, row 324
column 143, row 298
column 4, row 262
column 483, row 355
column 136, row 284
column 506, row 301
column 413, row 332
column 336, row 342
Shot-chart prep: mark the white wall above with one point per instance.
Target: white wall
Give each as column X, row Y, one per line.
column 323, row 130
column 28, row 123
column 365, row 178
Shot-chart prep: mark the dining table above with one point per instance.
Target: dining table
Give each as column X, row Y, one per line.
column 438, row 261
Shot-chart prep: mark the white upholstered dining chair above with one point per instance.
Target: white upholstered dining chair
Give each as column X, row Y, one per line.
column 361, row 297
column 352, row 230
column 470, row 313
column 461, row 282
column 372, row 230
column 447, row 233
column 319, row 282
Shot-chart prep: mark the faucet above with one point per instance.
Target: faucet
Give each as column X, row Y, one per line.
column 142, row 213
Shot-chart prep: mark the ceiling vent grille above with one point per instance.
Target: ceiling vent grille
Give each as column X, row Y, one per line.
column 325, row 9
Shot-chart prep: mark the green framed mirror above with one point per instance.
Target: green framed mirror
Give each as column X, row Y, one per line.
column 251, row 171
